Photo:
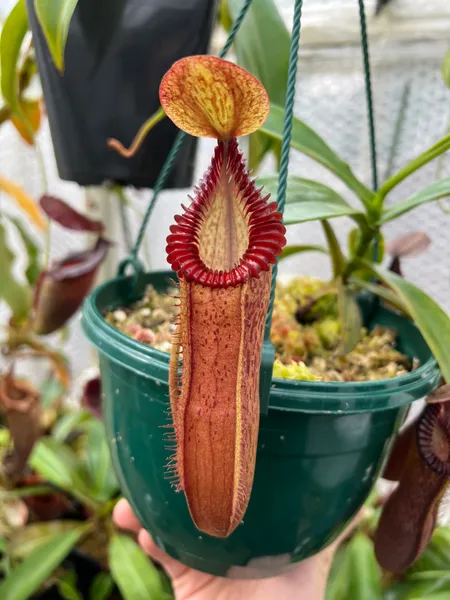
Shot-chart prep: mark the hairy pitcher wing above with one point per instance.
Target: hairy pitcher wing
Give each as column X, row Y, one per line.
column 222, row 247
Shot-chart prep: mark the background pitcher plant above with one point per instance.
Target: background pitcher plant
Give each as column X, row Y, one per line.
column 222, row 247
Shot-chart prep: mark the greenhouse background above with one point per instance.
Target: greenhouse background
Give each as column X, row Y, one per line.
column 408, row 40
column 329, row 451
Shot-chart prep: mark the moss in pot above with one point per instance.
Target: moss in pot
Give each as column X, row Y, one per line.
column 322, row 444
column 304, row 351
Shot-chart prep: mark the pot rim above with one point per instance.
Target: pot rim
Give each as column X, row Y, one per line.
column 285, row 394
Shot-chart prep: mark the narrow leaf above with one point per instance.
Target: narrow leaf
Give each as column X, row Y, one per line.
column 432, row 321
column 66, row 216
column 51, row 391
column 17, row 296
column 382, row 292
column 365, row 574
column 350, row 317
column 134, row 573
column 25, row 579
column 54, row 17
column 310, row 143
column 13, row 32
column 68, row 591
column 58, row 463
column 437, row 596
column 23, row 492
column 429, row 575
column 26, row 540
column 102, row 587
column 68, row 423
column 262, row 47
column 27, row 123
column 24, row 200
column 337, row 258
column 339, row 579
column 438, row 189
column 417, row 163
column 445, row 69
column 291, row 250
column 308, row 200
column 34, row 265
column 98, row 462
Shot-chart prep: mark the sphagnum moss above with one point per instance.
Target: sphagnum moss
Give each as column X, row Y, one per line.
column 305, row 350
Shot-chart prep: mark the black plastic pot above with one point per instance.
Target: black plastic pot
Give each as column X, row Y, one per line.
column 110, row 86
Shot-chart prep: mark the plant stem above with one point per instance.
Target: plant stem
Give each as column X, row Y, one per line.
column 368, row 234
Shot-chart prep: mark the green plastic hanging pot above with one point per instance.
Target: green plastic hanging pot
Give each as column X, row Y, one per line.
column 321, row 445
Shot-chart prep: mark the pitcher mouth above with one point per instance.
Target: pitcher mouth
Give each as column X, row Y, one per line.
column 263, row 235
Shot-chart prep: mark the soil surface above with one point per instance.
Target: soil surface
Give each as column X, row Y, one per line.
column 306, row 336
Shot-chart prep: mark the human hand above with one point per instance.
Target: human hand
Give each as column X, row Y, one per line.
column 307, row 581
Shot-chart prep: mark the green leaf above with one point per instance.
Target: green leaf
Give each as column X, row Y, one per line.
column 350, row 318
column 437, row 596
column 135, row 575
column 59, row 464
column 102, row 587
column 25, row 579
column 68, row 422
column 310, row 143
column 438, row 189
column 429, row 575
column 445, row 69
column 308, row 200
column 98, row 462
column 34, row 267
column 381, row 292
column 337, row 258
column 13, row 32
column 365, row 574
column 262, row 47
column 258, row 146
column 432, row 321
column 417, row 163
column 339, row 579
column 290, row 250
column 17, row 296
column 23, row 492
column 24, row 541
column 67, row 587
column 54, row 17
column 51, row 390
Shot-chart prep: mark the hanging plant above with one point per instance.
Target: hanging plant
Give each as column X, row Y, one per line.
column 222, row 248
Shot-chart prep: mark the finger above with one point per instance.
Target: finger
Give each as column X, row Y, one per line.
column 173, row 568
column 124, row 517
column 346, row 533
